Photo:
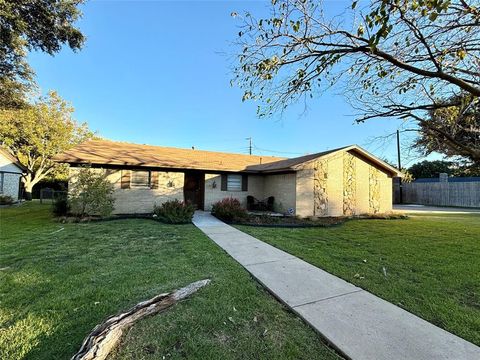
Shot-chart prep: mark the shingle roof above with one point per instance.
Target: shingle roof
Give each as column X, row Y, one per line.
column 113, row 153
column 290, row 164
column 105, row 152
column 294, row 164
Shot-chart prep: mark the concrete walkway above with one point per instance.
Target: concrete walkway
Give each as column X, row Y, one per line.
column 357, row 323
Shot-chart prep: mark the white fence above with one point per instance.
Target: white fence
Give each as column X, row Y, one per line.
column 445, row 193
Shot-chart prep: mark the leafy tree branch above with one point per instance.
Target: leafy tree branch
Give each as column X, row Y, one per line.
column 37, row 133
column 27, row 25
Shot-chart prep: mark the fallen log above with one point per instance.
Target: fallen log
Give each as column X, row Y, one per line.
column 105, row 336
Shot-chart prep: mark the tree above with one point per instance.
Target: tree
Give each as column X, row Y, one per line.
column 393, row 58
column 12, row 94
column 28, row 25
column 91, row 193
column 453, row 131
column 36, row 133
column 431, row 169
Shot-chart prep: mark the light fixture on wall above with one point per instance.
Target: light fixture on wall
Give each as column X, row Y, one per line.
column 214, row 184
column 170, row 183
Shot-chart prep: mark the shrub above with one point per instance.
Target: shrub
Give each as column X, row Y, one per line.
column 229, row 209
column 174, row 212
column 61, row 207
column 91, row 194
column 6, row 200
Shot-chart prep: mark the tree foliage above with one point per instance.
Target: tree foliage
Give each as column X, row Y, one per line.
column 26, row 25
column 91, row 193
column 453, row 130
column 37, row 133
column 432, row 169
column 392, row 58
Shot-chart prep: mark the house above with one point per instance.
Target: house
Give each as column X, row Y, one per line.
column 10, row 175
column 342, row 181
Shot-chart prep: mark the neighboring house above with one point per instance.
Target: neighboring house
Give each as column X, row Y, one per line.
column 343, row 181
column 10, row 175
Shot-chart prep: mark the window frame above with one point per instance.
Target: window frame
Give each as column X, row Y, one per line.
column 145, row 185
column 240, row 177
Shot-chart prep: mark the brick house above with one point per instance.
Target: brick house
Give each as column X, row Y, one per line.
column 343, row 181
column 10, row 175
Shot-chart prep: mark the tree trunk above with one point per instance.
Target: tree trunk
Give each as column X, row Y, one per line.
column 104, row 337
column 28, row 190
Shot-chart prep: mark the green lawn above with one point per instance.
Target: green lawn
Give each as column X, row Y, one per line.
column 55, row 286
column 432, row 263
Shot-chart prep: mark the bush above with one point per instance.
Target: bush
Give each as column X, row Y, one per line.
column 91, row 194
column 6, row 200
column 229, row 209
column 61, row 207
column 174, row 212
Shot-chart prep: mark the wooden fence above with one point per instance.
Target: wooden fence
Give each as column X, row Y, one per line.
column 50, row 195
column 446, row 192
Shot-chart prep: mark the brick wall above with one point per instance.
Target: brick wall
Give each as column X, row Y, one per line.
column 361, row 187
column 214, row 193
column 335, row 184
column 170, row 187
column 304, row 189
column 141, row 200
column 282, row 187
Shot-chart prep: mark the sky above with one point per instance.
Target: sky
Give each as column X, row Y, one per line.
column 158, row 73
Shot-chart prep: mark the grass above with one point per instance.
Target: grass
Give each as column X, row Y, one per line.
column 56, row 285
column 432, row 263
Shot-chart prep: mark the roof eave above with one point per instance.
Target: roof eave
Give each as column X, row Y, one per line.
column 392, row 170
column 154, row 166
column 13, row 159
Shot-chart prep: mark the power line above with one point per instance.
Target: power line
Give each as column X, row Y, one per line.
column 276, row 151
column 250, row 147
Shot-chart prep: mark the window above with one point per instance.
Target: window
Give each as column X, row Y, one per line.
column 140, row 179
column 1, row 182
column 234, row 182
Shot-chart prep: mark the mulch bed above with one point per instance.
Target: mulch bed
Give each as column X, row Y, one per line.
column 86, row 219
column 290, row 221
column 295, row 222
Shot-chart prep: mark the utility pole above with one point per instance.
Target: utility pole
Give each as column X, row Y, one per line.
column 399, row 167
column 399, row 159
column 250, row 145
column 398, row 151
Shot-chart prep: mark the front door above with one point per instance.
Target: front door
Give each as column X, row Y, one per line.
column 194, row 188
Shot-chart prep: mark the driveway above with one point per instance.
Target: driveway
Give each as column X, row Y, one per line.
column 412, row 208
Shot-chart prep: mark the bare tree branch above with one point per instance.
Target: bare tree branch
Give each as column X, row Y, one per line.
column 396, row 58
